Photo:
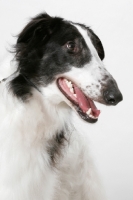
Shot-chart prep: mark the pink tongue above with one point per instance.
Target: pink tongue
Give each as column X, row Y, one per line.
column 85, row 103
column 82, row 100
column 95, row 112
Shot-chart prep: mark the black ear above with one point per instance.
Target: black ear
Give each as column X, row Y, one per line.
column 97, row 44
column 36, row 30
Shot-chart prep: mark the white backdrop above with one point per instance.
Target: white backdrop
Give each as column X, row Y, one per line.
column 111, row 139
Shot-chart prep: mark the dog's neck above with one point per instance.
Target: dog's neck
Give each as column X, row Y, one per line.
column 37, row 118
column 30, row 132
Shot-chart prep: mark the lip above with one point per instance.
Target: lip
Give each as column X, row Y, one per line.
column 81, row 110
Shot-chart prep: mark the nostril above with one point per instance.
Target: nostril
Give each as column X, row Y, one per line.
column 110, row 97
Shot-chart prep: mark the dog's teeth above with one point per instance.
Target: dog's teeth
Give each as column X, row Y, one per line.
column 89, row 111
column 69, row 81
column 91, row 116
column 69, row 84
column 71, row 90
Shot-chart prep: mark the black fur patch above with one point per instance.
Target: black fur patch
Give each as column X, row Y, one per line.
column 20, row 87
column 97, row 44
column 56, row 147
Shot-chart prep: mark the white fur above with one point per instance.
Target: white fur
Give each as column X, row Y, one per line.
column 24, row 170
column 25, row 128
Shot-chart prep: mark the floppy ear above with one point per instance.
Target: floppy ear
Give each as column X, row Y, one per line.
column 37, row 30
column 97, row 44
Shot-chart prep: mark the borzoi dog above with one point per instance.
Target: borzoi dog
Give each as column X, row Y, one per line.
column 59, row 69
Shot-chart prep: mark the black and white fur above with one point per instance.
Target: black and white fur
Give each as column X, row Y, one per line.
column 42, row 156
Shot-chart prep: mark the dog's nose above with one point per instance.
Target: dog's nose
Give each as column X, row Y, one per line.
column 112, row 97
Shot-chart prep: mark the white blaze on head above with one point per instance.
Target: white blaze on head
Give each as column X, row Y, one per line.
column 91, row 47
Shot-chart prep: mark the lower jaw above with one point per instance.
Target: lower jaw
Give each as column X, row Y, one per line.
column 84, row 116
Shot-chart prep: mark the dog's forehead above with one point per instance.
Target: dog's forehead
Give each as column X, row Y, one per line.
column 74, row 30
column 70, row 31
column 66, row 32
column 84, row 33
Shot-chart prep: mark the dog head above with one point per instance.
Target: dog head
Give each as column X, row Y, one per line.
column 63, row 60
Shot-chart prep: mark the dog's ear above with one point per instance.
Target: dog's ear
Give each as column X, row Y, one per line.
column 97, row 44
column 37, row 30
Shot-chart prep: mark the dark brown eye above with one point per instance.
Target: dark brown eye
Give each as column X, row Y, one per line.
column 71, row 46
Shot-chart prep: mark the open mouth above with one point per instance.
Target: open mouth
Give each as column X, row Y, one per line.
column 82, row 104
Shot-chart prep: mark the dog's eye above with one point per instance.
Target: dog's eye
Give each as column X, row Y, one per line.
column 71, row 46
